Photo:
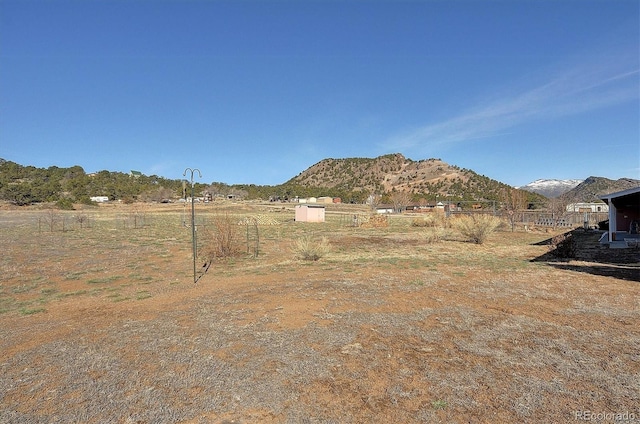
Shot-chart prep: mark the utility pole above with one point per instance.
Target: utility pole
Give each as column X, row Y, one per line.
column 193, row 220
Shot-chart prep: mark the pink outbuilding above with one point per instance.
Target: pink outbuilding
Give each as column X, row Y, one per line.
column 309, row 213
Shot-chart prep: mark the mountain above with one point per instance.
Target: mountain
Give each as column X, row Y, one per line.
column 590, row 189
column 551, row 188
column 394, row 173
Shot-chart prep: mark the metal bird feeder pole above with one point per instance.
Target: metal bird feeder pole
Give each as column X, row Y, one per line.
column 193, row 220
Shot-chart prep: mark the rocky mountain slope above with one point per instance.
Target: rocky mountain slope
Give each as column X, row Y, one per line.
column 590, row 189
column 394, row 173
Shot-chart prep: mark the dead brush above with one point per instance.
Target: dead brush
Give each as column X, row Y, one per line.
column 476, row 228
column 222, row 239
column 434, row 219
column 435, row 226
column 308, row 248
column 434, row 234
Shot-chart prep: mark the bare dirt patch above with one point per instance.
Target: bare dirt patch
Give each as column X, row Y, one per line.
column 104, row 324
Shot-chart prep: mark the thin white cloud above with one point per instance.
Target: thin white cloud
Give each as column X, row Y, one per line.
column 585, row 86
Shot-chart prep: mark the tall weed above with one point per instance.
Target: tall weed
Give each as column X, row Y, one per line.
column 476, row 228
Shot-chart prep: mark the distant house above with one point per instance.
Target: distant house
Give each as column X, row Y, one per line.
column 588, row 207
column 624, row 217
column 309, row 213
column 384, row 209
column 135, row 174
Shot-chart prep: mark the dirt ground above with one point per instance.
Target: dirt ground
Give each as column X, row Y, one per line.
column 101, row 323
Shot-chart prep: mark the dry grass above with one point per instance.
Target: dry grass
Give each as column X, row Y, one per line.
column 103, row 324
column 307, row 248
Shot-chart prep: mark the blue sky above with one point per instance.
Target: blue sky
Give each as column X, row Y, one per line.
column 258, row 91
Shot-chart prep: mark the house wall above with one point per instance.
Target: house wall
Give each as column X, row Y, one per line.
column 315, row 215
column 301, row 214
column 624, row 218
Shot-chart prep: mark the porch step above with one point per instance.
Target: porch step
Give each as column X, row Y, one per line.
column 617, row 245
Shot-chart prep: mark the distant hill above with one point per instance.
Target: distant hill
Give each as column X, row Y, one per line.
column 551, row 188
column 590, row 189
column 394, row 172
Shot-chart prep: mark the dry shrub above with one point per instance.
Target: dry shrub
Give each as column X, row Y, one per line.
column 419, row 222
column 435, row 218
column 434, row 234
column 309, row 249
column 476, row 228
column 435, row 225
column 376, row 221
column 222, row 239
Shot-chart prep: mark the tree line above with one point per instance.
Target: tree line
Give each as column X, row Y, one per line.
column 26, row 185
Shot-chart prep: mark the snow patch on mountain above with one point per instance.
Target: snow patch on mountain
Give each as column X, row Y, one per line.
column 551, row 187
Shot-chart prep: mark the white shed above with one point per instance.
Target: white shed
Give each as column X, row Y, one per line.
column 588, row 207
